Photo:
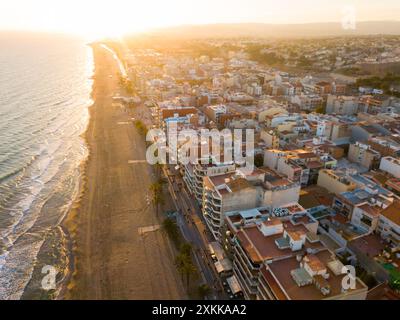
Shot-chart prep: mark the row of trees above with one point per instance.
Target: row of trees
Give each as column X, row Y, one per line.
column 269, row 58
column 157, row 195
column 387, row 83
column 183, row 261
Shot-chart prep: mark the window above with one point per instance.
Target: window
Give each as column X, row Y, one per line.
column 366, row 220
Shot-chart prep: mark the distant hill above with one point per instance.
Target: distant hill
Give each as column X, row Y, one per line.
column 262, row 30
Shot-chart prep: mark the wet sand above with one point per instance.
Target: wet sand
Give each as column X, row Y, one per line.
column 111, row 259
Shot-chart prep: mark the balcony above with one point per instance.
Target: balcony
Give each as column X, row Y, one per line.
column 240, row 252
column 212, row 227
column 249, row 289
column 216, row 196
column 213, row 215
column 212, row 210
column 214, row 203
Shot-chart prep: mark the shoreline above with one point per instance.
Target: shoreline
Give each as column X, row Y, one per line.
column 69, row 224
column 69, row 227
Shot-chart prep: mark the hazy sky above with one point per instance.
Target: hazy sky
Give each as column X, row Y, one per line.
column 112, row 17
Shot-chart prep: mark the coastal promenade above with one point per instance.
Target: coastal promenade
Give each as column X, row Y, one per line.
column 113, row 258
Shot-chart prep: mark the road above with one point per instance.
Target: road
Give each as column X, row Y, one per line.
column 193, row 230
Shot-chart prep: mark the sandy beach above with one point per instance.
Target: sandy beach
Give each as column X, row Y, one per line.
column 111, row 260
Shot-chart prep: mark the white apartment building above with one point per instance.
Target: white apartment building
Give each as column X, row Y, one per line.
column 224, row 193
column 195, row 173
column 389, row 223
column 390, row 165
column 342, row 105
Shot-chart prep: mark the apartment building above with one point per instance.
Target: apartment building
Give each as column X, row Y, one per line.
column 271, row 112
column 343, row 105
column 346, row 202
column 282, row 258
column 386, row 146
column 336, row 131
column 364, row 155
column 323, row 87
column 195, row 173
column 393, row 185
column 273, row 121
column 335, row 181
column 365, row 132
column 339, row 88
column 165, row 112
column 271, row 138
column 241, row 191
column 214, row 113
column 223, row 194
column 373, row 103
column 298, row 165
column 390, row 165
column 389, row 223
column 366, row 216
column 309, row 102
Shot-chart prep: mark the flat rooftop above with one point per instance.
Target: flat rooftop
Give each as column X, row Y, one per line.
column 281, row 271
column 393, row 212
column 315, row 196
column 261, row 248
column 372, row 245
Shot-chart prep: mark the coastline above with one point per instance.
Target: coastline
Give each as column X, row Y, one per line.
column 69, row 227
column 42, row 155
column 106, row 254
column 69, row 223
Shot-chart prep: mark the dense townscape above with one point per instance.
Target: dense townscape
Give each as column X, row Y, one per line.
column 325, row 192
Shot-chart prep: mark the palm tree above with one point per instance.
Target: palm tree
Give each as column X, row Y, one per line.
column 158, row 168
column 203, row 290
column 171, row 228
column 185, row 267
column 157, row 195
column 179, row 264
column 186, row 249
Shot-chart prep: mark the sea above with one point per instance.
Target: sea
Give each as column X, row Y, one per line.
column 45, row 95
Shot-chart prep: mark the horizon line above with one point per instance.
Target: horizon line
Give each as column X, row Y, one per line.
column 160, row 28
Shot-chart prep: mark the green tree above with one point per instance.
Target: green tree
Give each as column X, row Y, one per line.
column 157, row 195
column 186, row 249
column 185, row 267
column 171, row 228
column 203, row 290
column 259, row 160
column 158, row 169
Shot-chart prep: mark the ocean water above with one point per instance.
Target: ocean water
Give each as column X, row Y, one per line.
column 45, row 92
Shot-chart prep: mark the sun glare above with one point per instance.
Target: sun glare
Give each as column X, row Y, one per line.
column 92, row 19
column 113, row 18
column 100, row 19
